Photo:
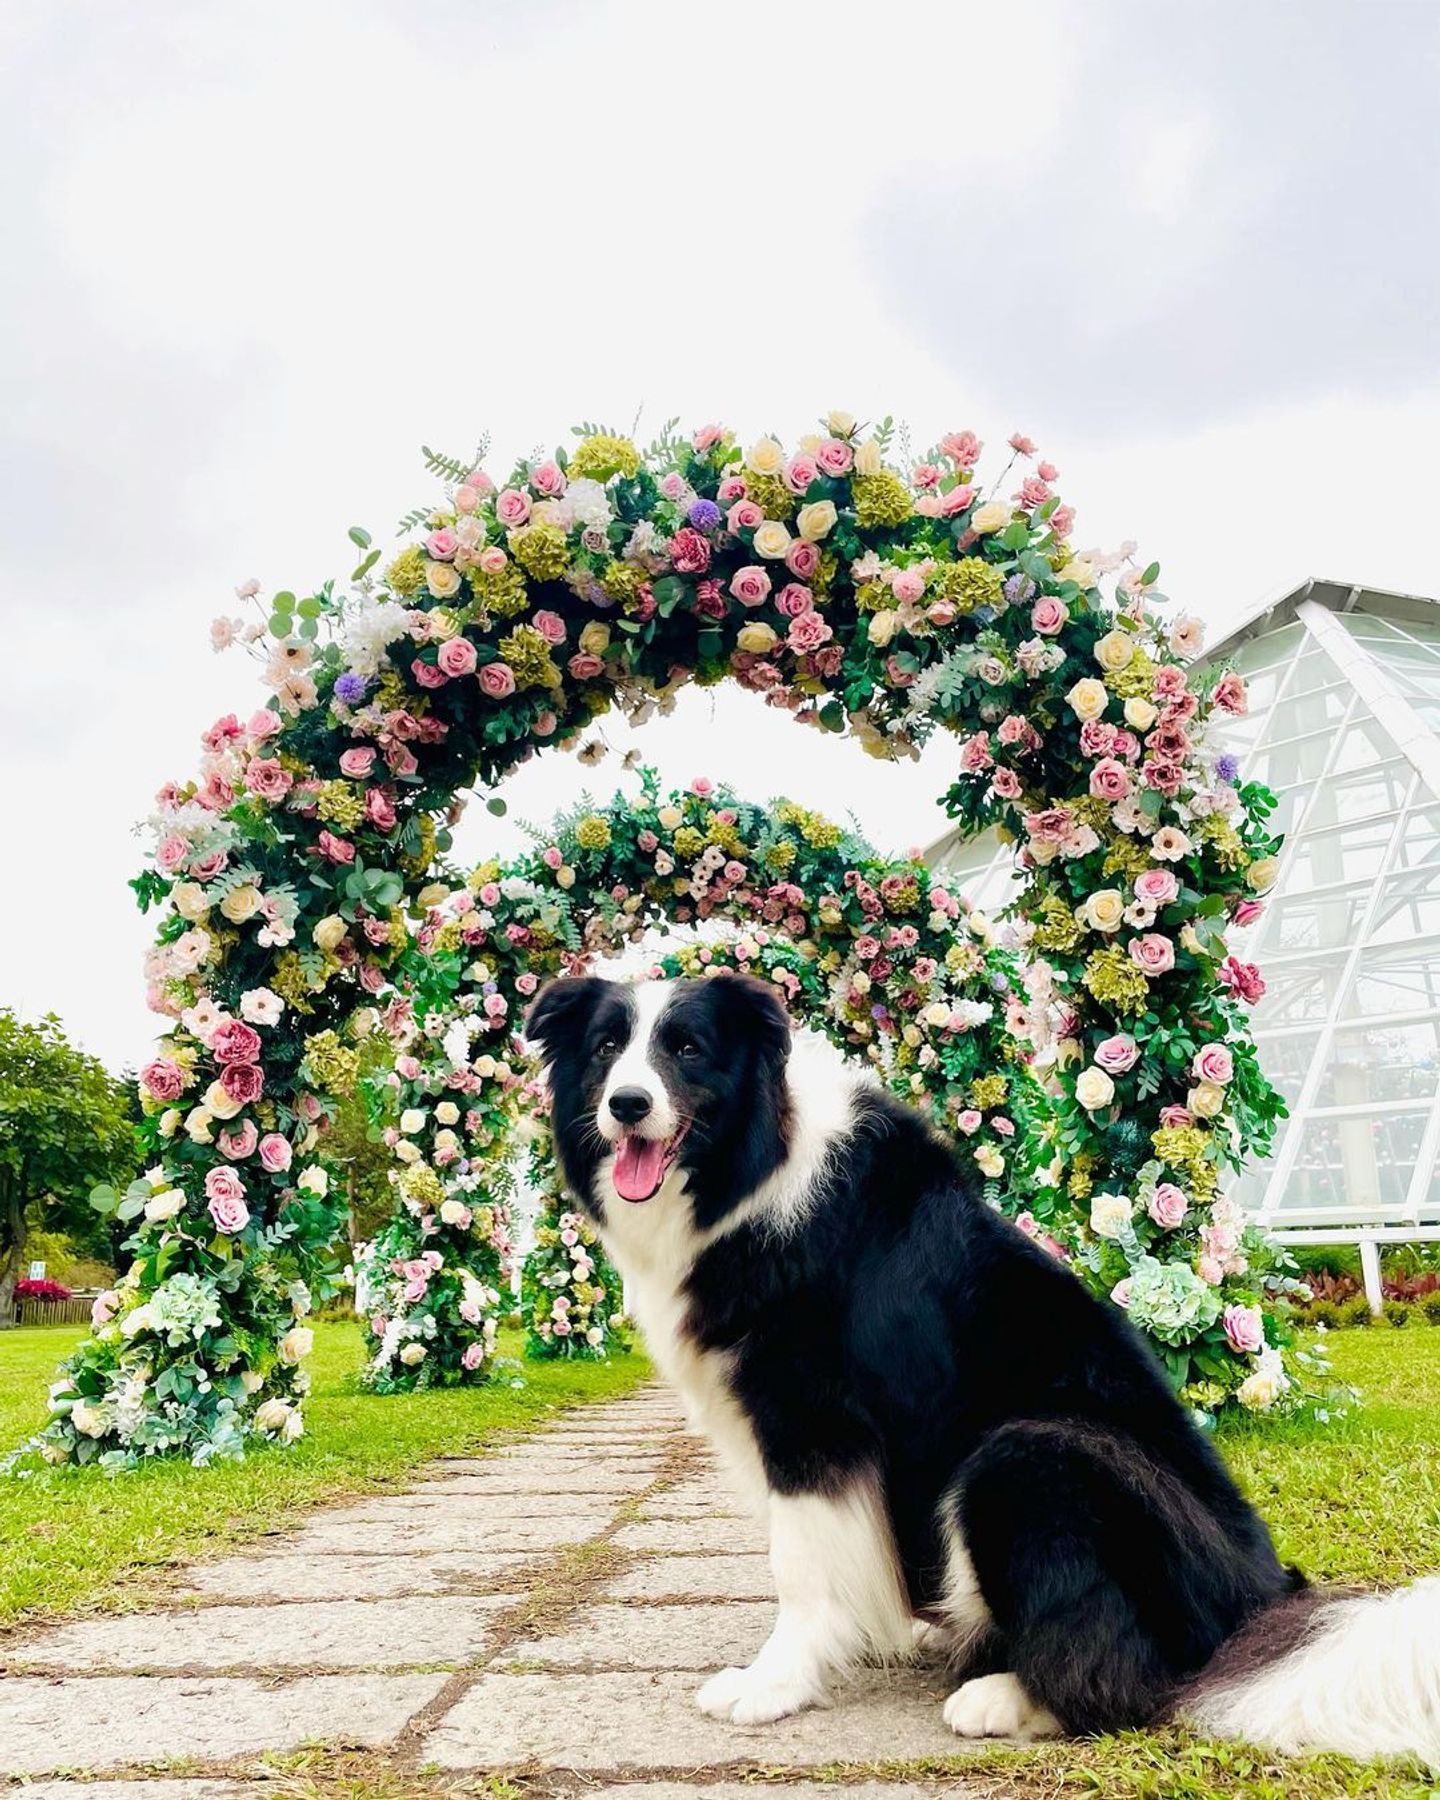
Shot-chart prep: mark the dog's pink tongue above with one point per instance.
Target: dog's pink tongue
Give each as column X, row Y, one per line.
column 638, row 1166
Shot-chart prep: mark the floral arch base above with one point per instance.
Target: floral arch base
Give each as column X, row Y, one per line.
column 888, row 961
column 860, row 588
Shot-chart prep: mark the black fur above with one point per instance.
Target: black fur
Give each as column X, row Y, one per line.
column 905, row 1327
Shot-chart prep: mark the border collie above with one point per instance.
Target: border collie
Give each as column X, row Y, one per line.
column 952, row 1441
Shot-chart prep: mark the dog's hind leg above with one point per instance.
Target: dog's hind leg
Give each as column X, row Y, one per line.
column 842, row 1600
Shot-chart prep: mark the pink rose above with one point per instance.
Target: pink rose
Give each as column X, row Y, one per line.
column 275, row 1153
column 962, row 447
column 1110, row 780
column 244, row 1082
column 1244, row 1328
column 1158, row 886
column 689, row 552
column 1213, row 1063
column 238, row 1141
column 472, row 1356
column 548, row 478
column 492, row 559
column 1247, row 912
column 226, row 1201
column 808, row 632
column 171, row 854
column 1168, row 1206
column 1230, row 693
column 428, row 675
column 1048, row 616
column 163, row 1078
column 336, row 849
column 750, row 585
column 745, row 515
column 380, row 809
column 512, row 507
column 269, row 779
column 1172, row 1116
column 263, row 724
column 442, row 544
column 970, row 1121
column 235, row 1042
column 1117, row 1055
column 802, row 558
column 731, row 488
column 800, row 471
column 585, row 667
column 1152, row 953
column 456, row 656
column 793, row 599
column 357, row 763
column 497, row 680
column 1120, row 1293
column 550, row 626
column 1006, row 784
column 835, row 457
column 1243, row 979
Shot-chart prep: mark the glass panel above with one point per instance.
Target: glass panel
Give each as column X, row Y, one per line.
column 1420, row 840
column 1387, row 983
column 1310, row 922
column 1361, row 1163
column 1380, row 1062
column 1364, row 743
column 1430, row 1199
column 1353, row 853
column 1323, row 708
column 1248, row 1191
column 1313, row 669
column 1286, row 1060
column 1409, row 907
column 1347, row 798
column 1282, row 765
column 1298, row 991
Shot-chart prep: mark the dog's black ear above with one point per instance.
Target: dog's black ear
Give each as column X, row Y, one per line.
column 758, row 1009
column 561, row 1011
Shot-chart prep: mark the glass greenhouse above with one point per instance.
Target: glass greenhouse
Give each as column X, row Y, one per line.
column 1344, row 725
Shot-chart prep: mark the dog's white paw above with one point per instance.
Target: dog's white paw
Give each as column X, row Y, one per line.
column 928, row 1637
column 755, row 1696
column 997, row 1706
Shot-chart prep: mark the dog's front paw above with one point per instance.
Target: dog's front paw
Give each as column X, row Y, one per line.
column 997, row 1706
column 755, row 1696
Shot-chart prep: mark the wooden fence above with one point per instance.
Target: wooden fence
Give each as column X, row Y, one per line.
column 74, row 1311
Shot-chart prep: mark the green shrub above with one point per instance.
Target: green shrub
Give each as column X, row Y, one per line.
column 1430, row 1308
column 1356, row 1312
column 1323, row 1312
column 1396, row 1313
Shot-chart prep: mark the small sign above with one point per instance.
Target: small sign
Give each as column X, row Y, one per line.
column 37, row 1271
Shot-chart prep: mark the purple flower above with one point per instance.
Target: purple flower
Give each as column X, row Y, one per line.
column 704, row 515
column 350, row 688
column 1018, row 589
column 1227, row 768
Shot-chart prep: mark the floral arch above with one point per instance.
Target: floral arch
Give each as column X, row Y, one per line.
column 889, row 961
column 861, row 590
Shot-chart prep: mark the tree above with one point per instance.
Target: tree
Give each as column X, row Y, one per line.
column 65, row 1126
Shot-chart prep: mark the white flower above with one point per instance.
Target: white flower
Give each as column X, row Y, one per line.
column 1094, row 1089
column 296, row 1344
column 165, row 1206
column 261, row 1007
column 412, row 1120
column 587, row 501
column 1110, row 1214
column 273, row 1415
column 369, row 632
column 316, row 1180
column 413, row 1354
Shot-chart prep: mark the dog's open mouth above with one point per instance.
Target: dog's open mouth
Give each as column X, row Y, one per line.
column 641, row 1164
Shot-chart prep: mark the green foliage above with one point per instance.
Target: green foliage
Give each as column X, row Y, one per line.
column 1396, row 1312
column 1357, row 1312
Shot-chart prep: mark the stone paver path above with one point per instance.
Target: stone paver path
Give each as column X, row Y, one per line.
column 547, row 1610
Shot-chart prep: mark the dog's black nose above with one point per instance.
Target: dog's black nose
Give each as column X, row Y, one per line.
column 630, row 1104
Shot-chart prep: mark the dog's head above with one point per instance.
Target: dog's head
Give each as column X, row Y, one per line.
column 665, row 1078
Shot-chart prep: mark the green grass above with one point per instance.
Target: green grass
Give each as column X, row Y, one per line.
column 78, row 1541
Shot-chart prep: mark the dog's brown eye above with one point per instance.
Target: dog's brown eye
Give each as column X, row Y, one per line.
column 687, row 1049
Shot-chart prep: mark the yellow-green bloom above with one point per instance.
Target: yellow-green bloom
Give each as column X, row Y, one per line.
column 881, row 499
column 602, row 456
column 542, row 551
column 1115, row 981
column 593, row 833
column 406, row 575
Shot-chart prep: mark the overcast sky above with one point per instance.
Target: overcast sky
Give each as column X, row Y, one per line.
column 255, row 256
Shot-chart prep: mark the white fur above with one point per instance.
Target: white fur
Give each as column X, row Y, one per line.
column 1364, row 1682
column 965, row 1616
column 997, row 1706
column 841, row 1599
column 634, row 1068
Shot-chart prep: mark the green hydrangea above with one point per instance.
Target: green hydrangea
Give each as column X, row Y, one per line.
column 593, row 833
column 183, row 1308
column 771, row 495
column 331, row 1065
column 421, row 1184
column 542, row 551
column 881, row 499
column 969, row 583
column 602, row 456
column 1115, row 981
column 527, row 651
column 1170, row 1301
column 406, row 575
column 339, row 804
column 502, row 593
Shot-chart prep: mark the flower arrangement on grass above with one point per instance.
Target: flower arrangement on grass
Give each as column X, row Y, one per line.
column 890, row 601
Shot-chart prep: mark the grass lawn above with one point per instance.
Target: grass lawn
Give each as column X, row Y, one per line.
column 1358, row 1500
column 75, row 1541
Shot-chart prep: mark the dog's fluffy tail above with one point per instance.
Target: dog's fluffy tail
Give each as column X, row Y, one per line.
column 1356, row 1673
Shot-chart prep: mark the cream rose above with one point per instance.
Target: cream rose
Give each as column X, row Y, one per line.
column 406, row 1152
column 1115, row 651
column 595, row 638
column 329, row 931
column 994, row 515
column 772, row 539
column 1088, row 698
column 241, row 903
column 756, row 639
column 990, row 1161
column 1206, row 1100
column 670, row 817
column 197, row 1125
column 412, row 1120
column 413, row 1354
column 442, row 579
column 815, row 521
column 315, row 1181
column 219, row 1104
column 188, row 899
column 765, row 457
column 272, row 1415
column 448, row 1113
column 164, row 1206
column 882, row 627
column 296, row 1344
column 1110, row 1214
column 840, row 424
column 1140, row 715
column 1104, row 910
column 1260, row 876
column 1094, row 1089
column 869, row 459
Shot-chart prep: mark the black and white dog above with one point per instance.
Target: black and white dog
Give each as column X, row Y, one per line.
column 950, row 1438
